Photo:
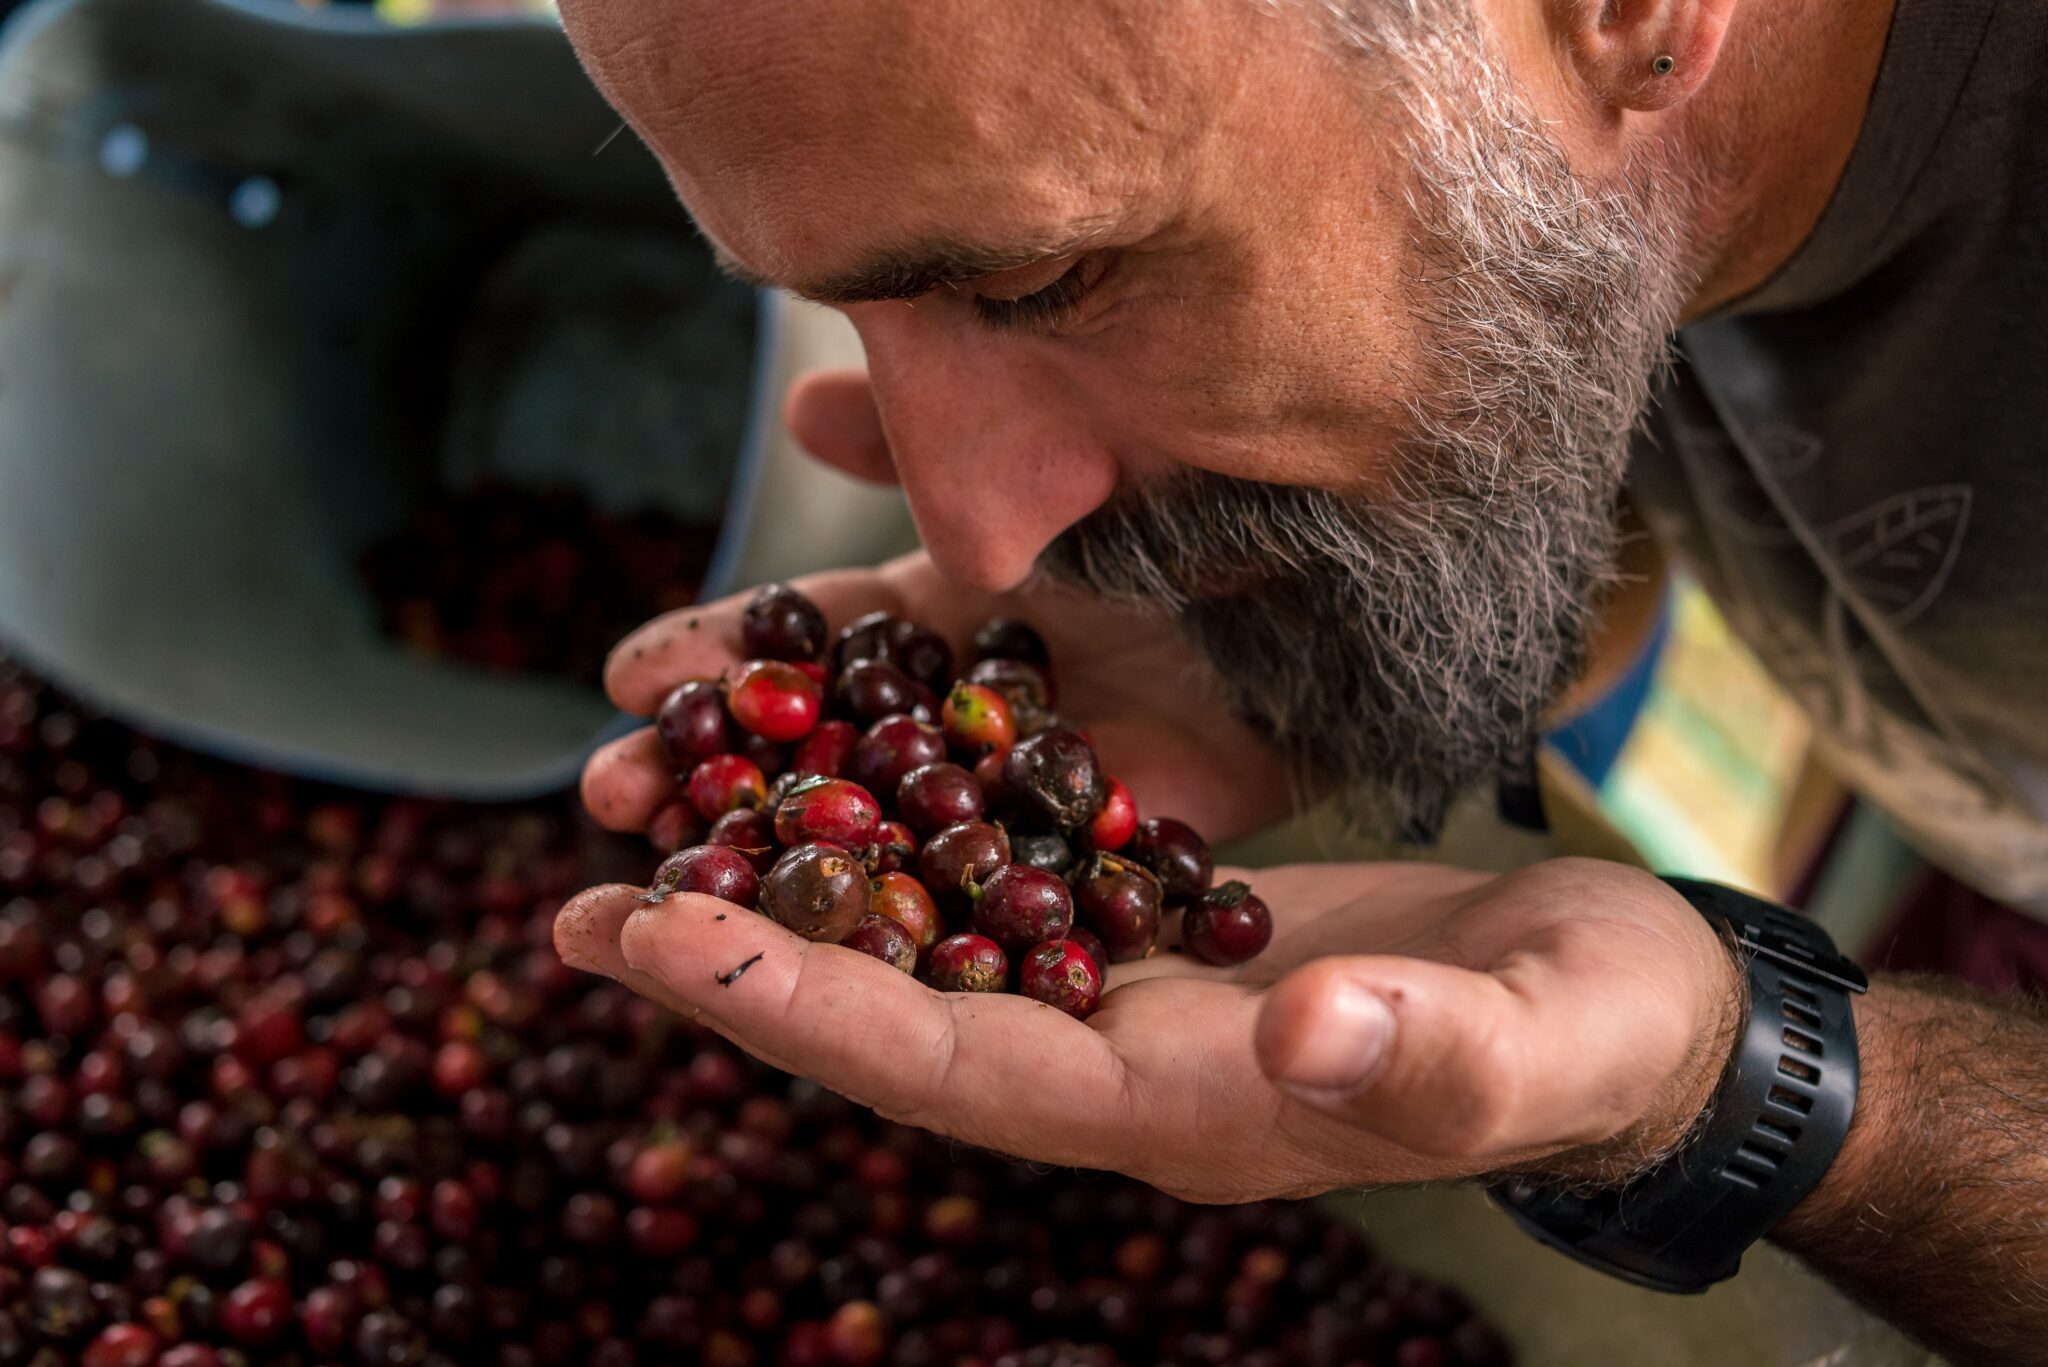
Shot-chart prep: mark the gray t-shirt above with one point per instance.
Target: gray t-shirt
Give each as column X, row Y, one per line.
column 1854, row 458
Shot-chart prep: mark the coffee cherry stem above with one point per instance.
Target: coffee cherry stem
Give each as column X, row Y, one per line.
column 659, row 890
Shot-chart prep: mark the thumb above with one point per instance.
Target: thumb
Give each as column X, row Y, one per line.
column 1459, row 1063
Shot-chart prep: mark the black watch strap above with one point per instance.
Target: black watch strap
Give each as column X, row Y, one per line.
column 1772, row 1129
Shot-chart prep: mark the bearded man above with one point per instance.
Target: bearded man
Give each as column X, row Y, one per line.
column 1284, row 362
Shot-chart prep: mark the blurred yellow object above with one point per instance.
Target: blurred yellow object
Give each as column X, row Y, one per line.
column 420, row 11
column 1707, row 781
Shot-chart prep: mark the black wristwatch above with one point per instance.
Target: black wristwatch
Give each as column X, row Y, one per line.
column 1772, row 1129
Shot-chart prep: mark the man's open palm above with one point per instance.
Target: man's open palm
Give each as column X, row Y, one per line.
column 1557, row 1008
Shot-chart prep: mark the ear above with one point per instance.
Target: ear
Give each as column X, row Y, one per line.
column 1642, row 54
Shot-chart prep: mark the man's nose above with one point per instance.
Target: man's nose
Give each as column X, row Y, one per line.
column 995, row 460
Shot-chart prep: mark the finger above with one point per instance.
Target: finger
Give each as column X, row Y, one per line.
column 1167, row 961
column 832, row 415
column 991, row 1069
column 587, row 938
column 1562, row 1043
column 627, row 781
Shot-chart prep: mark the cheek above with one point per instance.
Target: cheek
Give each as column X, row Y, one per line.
column 1268, row 384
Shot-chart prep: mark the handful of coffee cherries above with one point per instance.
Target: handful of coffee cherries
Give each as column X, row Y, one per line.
column 856, row 791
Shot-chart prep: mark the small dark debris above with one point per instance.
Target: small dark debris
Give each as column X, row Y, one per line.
column 691, row 624
column 719, row 917
column 728, row 979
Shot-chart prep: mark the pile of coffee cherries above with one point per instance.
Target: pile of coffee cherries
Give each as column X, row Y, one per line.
column 530, row 580
column 290, row 1075
column 856, row 791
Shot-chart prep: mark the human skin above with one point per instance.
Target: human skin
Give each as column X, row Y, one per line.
column 1238, row 193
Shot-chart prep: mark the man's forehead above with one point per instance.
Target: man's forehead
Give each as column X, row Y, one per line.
column 839, row 141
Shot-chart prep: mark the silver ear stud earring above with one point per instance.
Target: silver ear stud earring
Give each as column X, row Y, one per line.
column 1664, row 65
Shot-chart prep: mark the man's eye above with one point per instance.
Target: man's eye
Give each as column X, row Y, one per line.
column 1043, row 308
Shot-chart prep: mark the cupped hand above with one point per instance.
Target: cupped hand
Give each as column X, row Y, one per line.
column 1408, row 1023
column 1141, row 692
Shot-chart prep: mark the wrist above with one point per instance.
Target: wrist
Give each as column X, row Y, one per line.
column 1884, row 1029
column 1775, row 1123
column 1679, row 1107
column 1693, row 1089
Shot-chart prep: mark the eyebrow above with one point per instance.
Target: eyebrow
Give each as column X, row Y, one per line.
column 916, row 270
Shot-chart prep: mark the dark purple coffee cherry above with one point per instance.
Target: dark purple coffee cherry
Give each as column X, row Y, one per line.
column 779, row 788
column 765, row 754
column 220, row 1240
column 921, row 653
column 691, row 724
column 891, row 748
column 1055, row 779
column 864, row 638
column 960, row 858
column 1019, row 906
column 1006, row 638
column 781, row 624
column 1048, row 852
column 118, row 1345
column 1120, row 901
column 935, row 796
column 894, row 850
column 387, row 1339
column 1178, row 856
column 675, row 826
column 869, row 690
column 818, row 891
column 918, row 651
column 60, row 1303
column 1227, row 925
column 257, row 1311
column 1027, row 688
column 749, row 831
column 1421, row 1350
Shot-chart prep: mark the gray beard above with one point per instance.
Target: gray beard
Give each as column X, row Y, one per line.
column 1400, row 648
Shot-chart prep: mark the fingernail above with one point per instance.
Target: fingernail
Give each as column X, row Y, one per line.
column 1350, row 1040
